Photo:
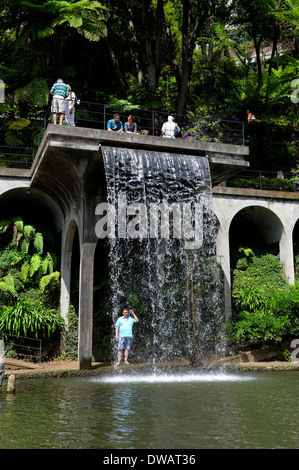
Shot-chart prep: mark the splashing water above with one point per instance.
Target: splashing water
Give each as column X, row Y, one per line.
column 162, row 246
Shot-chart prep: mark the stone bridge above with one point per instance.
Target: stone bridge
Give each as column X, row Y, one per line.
column 66, row 182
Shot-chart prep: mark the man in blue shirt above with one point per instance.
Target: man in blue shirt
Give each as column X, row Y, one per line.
column 124, row 333
column 115, row 124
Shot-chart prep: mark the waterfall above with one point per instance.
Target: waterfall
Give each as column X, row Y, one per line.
column 161, row 233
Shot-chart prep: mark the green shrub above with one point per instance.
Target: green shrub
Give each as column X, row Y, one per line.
column 265, row 307
column 30, row 318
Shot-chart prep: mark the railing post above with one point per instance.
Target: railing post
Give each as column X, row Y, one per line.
column 104, row 115
column 198, row 129
column 153, row 121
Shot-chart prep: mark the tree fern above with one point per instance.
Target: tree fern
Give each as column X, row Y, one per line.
column 35, row 92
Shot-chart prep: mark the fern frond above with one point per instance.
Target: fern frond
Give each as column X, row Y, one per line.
column 25, row 271
column 38, row 242
column 45, row 280
column 28, row 231
column 7, row 284
column 35, row 264
column 25, row 245
column 19, row 223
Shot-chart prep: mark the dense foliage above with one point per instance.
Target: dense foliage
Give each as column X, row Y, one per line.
column 29, row 287
column 265, row 307
column 211, row 58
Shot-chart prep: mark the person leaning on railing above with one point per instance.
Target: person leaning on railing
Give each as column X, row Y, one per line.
column 115, row 124
column 59, row 91
column 131, row 125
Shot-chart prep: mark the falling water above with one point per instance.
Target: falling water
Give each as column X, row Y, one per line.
column 162, row 264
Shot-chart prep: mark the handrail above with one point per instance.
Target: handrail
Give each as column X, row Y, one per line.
column 27, row 339
column 92, row 114
column 264, row 179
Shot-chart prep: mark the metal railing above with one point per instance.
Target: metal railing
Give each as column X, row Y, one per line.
column 149, row 122
column 16, row 157
column 23, row 347
column 266, row 180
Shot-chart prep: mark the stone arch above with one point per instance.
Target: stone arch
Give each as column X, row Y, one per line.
column 31, row 203
column 269, row 219
column 264, row 220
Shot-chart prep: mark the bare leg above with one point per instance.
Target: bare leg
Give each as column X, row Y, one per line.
column 119, row 355
column 54, row 118
column 61, row 118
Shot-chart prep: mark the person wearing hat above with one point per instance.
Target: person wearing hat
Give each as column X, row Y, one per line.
column 170, row 128
column 59, row 91
column 70, row 102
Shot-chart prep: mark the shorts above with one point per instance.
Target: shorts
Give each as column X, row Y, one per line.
column 58, row 105
column 125, row 342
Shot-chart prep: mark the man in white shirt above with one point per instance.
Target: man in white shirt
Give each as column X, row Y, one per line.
column 169, row 128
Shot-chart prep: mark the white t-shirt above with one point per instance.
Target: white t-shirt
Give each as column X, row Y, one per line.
column 169, row 128
column 68, row 100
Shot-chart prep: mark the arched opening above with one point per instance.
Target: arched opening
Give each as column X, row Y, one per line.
column 257, row 228
column 102, row 315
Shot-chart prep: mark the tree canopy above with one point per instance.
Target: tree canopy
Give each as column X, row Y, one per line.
column 189, row 56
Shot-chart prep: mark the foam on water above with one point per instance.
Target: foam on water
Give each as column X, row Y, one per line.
column 174, row 378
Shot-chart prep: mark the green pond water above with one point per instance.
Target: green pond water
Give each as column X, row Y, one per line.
column 188, row 411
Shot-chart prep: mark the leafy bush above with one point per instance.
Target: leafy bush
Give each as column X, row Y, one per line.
column 265, row 307
column 27, row 318
column 259, row 326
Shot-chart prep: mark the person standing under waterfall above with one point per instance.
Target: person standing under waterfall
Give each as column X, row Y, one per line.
column 124, row 334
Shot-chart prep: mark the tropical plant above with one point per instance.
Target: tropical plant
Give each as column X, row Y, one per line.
column 22, row 248
column 29, row 318
column 265, row 307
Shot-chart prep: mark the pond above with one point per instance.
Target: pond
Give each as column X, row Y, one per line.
column 187, row 411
